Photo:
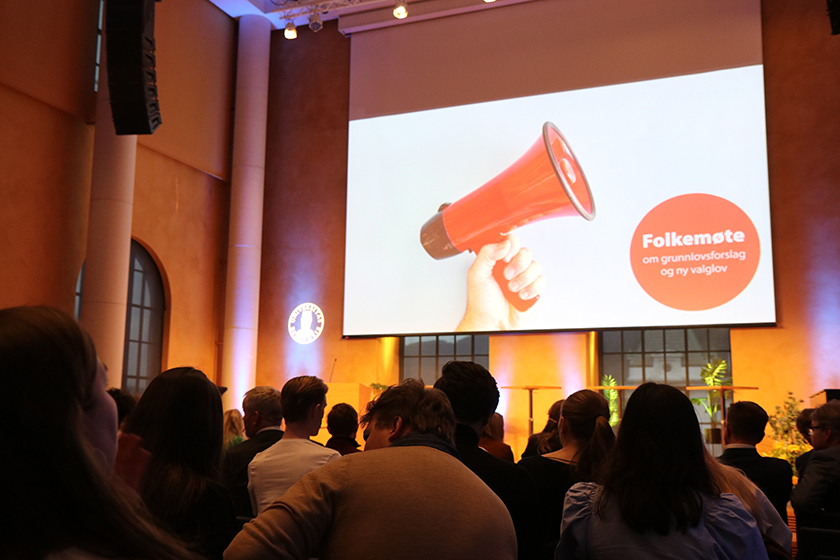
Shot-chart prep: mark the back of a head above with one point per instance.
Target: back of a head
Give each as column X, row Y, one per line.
column 265, row 400
column 803, row 423
column 495, row 428
column 233, row 424
column 424, row 411
column 549, row 438
column 587, row 415
column 179, row 418
column 828, row 416
column 657, row 471
column 299, row 395
column 746, row 422
column 343, row 421
column 48, row 362
column 471, row 389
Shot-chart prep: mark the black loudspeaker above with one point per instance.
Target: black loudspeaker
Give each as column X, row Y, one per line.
column 834, row 16
column 130, row 47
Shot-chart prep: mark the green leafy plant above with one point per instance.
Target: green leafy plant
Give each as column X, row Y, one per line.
column 612, row 397
column 377, row 388
column 713, row 374
column 788, row 443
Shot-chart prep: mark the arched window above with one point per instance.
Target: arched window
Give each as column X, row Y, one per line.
column 143, row 322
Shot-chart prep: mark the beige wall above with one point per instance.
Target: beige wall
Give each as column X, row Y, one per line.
column 46, row 143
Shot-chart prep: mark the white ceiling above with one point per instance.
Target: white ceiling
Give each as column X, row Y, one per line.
column 353, row 15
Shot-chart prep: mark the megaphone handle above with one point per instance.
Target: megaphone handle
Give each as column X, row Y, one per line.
column 514, row 299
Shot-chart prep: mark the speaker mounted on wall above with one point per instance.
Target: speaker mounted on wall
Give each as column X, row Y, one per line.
column 130, row 48
column 834, row 16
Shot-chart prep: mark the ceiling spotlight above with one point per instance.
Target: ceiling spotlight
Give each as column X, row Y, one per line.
column 315, row 23
column 291, row 31
column 488, row 1
column 401, row 9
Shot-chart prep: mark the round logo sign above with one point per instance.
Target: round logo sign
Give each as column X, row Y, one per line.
column 695, row 252
column 306, row 323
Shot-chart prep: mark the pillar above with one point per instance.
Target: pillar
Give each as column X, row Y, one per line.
column 242, row 296
column 105, row 291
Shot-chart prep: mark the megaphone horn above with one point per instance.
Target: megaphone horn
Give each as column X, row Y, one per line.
column 546, row 182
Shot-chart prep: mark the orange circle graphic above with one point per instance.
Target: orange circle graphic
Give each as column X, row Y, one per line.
column 695, row 252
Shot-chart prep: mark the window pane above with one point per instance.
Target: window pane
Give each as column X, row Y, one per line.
column 655, row 368
column 134, row 317
column 675, row 340
column 446, row 345
column 412, row 346
column 654, row 341
column 611, row 341
column 428, row 370
column 698, row 339
column 143, row 368
column 482, row 344
column 718, row 339
column 147, row 323
column 411, row 368
column 632, row 341
column 675, row 369
column 428, row 346
column 611, row 365
column 463, row 345
column 484, row 361
column 633, row 369
column 136, row 288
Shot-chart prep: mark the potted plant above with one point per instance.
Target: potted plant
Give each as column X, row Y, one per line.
column 788, row 443
column 713, row 374
column 612, row 397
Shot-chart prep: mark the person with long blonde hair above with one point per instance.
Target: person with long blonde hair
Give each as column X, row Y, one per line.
column 233, row 429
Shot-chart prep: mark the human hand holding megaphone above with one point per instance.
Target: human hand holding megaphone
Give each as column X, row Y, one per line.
column 488, row 296
column 546, row 182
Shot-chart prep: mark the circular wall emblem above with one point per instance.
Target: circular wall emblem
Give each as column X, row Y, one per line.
column 306, row 323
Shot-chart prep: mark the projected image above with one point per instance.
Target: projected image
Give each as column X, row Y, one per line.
column 452, row 213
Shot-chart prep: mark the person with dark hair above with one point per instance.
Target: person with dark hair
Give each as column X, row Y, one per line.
column 803, row 426
column 263, row 415
column 408, row 496
column 587, row 439
column 342, row 424
column 179, row 420
column 58, row 499
column 657, row 499
column 473, row 393
column 493, row 438
column 548, row 439
column 742, row 431
column 125, row 404
column 816, row 499
column 275, row 470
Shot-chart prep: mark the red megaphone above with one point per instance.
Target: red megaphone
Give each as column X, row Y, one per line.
column 546, row 182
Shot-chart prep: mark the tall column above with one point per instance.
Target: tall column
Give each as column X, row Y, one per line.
column 242, row 297
column 105, row 290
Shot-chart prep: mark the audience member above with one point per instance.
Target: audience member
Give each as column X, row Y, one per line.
column 548, row 439
column 493, row 438
column 57, row 497
column 262, row 420
column 407, row 496
column 342, row 424
column 473, row 393
column 803, row 425
column 816, row 498
column 125, row 404
column 774, row 530
column 179, row 419
column 587, row 439
column 276, row 469
column 742, row 431
column 658, row 499
column 233, row 430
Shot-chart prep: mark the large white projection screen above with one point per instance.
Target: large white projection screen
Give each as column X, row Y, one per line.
column 677, row 231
